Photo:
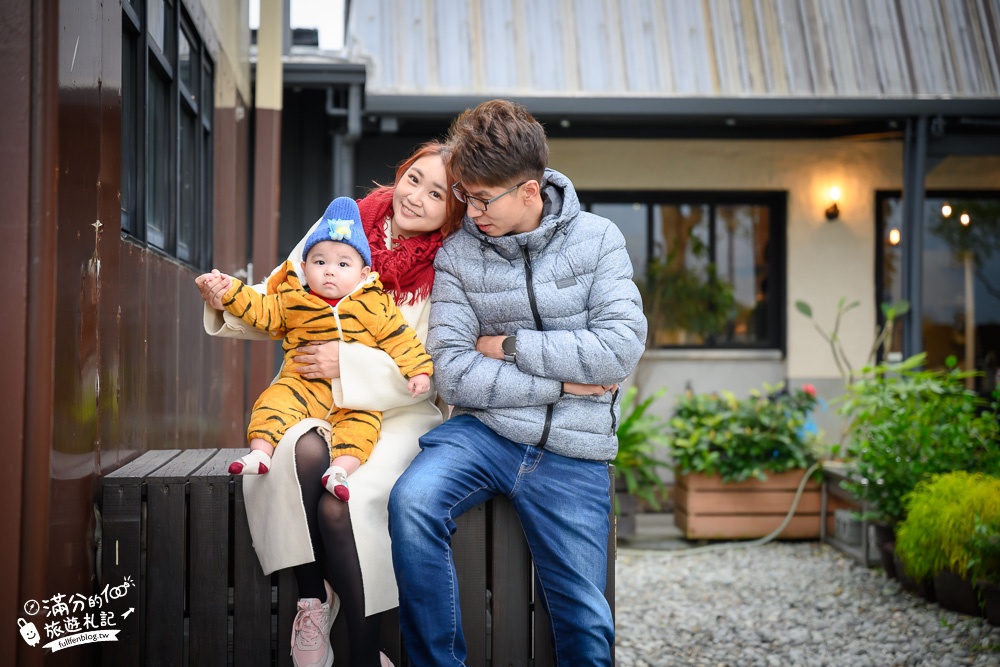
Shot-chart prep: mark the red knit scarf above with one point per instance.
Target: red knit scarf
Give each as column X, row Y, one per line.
column 407, row 269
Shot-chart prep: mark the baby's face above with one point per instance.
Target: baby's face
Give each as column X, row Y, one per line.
column 333, row 269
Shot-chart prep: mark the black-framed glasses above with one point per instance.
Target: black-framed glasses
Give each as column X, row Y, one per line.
column 479, row 203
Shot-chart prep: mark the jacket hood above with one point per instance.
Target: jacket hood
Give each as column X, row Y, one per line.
column 560, row 206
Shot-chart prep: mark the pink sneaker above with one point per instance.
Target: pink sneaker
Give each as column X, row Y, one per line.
column 311, row 631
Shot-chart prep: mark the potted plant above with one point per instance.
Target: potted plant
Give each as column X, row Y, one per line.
column 641, row 439
column 934, row 540
column 984, row 564
column 905, row 424
column 731, row 454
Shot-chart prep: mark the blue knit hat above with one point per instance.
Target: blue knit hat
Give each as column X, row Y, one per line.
column 341, row 222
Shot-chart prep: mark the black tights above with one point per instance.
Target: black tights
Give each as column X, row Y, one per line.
column 332, row 538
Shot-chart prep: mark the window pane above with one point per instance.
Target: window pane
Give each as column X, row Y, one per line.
column 188, row 186
column 960, row 277
column 159, row 22
column 631, row 219
column 130, row 136
column 892, row 263
column 158, row 163
column 682, row 285
column 207, row 96
column 742, row 236
column 961, row 281
column 188, row 72
column 207, row 214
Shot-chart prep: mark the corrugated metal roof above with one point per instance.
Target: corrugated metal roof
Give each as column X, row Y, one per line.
column 868, row 49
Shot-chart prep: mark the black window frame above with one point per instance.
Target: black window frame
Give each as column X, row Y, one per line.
column 144, row 64
column 777, row 203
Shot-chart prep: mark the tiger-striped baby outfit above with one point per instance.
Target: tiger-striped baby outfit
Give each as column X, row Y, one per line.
column 368, row 315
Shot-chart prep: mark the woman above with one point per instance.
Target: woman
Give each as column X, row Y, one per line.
column 293, row 521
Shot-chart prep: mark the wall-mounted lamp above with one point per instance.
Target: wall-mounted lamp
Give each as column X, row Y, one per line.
column 946, row 210
column 832, row 212
column 893, row 236
column 965, row 219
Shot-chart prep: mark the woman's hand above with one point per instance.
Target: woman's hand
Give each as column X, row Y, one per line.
column 319, row 360
column 578, row 389
column 213, row 286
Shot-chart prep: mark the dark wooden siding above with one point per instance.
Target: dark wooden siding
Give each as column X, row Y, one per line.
column 121, row 362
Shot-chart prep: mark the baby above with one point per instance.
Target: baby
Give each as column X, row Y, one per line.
column 341, row 300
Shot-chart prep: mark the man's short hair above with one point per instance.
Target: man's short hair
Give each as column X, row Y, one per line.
column 497, row 143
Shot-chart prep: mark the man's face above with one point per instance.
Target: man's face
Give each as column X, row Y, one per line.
column 507, row 214
column 333, row 269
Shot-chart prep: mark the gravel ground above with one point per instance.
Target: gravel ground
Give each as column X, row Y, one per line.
column 782, row 605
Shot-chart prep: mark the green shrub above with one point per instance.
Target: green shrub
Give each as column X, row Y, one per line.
column 941, row 518
column 740, row 439
column 984, row 550
column 907, row 424
column 641, row 434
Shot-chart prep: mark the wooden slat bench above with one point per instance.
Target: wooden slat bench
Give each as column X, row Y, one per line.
column 174, row 523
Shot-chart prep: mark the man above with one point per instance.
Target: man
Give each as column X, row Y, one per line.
column 534, row 322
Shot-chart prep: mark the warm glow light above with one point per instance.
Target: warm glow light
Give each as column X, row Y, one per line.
column 946, row 210
column 965, row 219
column 894, row 236
column 835, row 194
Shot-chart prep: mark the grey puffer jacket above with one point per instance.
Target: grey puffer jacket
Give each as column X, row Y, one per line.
column 565, row 291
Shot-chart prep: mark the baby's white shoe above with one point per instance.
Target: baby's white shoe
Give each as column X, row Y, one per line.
column 335, row 481
column 254, row 463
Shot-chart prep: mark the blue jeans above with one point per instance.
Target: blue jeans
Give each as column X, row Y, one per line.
column 563, row 506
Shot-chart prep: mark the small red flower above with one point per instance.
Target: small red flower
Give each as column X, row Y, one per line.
column 809, row 389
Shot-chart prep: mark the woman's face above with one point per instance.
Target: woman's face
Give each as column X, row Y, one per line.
column 418, row 201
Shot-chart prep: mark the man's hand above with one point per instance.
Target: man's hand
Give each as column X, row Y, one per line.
column 490, row 346
column 578, row 389
column 213, row 286
column 419, row 384
column 319, row 360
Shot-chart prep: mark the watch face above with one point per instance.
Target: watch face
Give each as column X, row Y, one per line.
column 507, row 345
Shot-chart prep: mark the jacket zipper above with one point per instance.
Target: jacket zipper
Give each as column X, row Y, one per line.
column 614, row 422
column 538, row 325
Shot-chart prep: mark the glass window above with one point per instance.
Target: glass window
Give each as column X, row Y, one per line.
column 631, row 220
column 160, row 20
column 709, row 265
column 185, row 68
column 166, row 133
column 129, row 129
column 158, row 171
column 190, row 133
column 960, row 278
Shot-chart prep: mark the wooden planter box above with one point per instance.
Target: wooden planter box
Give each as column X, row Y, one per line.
column 705, row 508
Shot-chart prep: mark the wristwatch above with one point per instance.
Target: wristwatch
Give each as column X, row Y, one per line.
column 508, row 345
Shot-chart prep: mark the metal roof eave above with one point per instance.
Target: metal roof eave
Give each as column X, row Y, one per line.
column 320, row 75
column 629, row 107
